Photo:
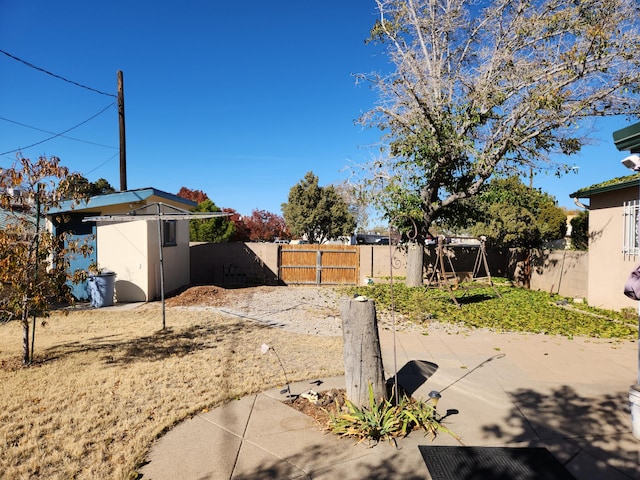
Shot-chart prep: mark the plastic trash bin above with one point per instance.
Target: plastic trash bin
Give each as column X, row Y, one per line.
column 101, row 289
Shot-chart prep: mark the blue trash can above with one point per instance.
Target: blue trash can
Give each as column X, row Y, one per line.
column 101, row 289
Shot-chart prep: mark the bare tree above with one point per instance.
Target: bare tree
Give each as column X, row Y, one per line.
column 484, row 88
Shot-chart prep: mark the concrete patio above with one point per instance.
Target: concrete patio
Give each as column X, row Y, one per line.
column 569, row 396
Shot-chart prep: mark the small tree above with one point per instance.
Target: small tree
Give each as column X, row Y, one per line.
column 197, row 196
column 33, row 263
column 216, row 230
column 510, row 214
column 79, row 185
column 317, row 213
column 580, row 231
column 240, row 230
column 100, row 187
column 265, row 226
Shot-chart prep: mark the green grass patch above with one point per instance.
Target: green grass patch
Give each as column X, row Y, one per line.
column 515, row 310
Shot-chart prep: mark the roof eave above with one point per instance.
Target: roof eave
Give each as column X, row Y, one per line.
column 589, row 192
column 117, row 198
column 628, row 138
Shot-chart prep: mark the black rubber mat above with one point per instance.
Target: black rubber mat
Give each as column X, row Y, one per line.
column 492, row 463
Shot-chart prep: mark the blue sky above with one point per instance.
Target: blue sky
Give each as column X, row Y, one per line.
column 238, row 99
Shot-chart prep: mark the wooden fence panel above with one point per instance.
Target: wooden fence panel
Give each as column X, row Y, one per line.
column 319, row 264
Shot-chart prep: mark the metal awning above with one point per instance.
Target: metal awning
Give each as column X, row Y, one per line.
column 628, row 138
column 160, row 215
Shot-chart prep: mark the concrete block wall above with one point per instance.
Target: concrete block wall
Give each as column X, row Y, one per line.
column 236, row 264
column 560, row 271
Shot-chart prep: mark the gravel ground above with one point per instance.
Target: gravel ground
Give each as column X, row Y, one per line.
column 310, row 310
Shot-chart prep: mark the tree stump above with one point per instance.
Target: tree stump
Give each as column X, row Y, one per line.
column 361, row 351
column 415, row 259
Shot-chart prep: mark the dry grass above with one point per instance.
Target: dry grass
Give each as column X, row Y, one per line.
column 108, row 383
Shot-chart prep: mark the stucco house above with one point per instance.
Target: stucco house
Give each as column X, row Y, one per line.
column 614, row 211
column 131, row 249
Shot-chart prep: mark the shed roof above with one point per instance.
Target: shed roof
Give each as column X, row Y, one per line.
column 126, row 197
column 12, row 216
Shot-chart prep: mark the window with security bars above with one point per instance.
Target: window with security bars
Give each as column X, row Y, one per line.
column 630, row 226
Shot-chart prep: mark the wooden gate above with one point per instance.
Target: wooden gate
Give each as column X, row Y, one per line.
column 319, row 264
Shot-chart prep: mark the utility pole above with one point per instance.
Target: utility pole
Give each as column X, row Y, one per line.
column 123, row 141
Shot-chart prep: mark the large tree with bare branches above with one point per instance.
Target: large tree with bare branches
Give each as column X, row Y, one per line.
column 480, row 88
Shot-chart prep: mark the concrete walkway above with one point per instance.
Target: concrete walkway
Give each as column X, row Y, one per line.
column 570, row 396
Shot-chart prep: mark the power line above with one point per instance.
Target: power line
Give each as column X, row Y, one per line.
column 102, row 164
column 61, row 133
column 53, row 133
column 57, row 76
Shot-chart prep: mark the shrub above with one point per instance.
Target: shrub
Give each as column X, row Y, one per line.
column 385, row 420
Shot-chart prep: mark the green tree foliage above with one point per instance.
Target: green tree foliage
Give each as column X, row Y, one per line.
column 216, row 230
column 79, row 185
column 34, row 265
column 100, row 187
column 501, row 87
column 510, row 214
column 580, row 231
column 240, row 230
column 315, row 212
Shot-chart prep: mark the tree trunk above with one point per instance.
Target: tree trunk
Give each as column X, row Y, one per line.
column 415, row 256
column 26, row 358
column 527, row 270
column 361, row 351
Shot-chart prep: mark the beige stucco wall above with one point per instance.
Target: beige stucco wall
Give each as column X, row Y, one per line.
column 564, row 272
column 131, row 250
column 175, row 260
column 608, row 266
column 120, row 250
column 235, row 263
column 374, row 262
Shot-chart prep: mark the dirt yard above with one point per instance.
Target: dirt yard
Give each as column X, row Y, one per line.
column 109, row 381
column 311, row 310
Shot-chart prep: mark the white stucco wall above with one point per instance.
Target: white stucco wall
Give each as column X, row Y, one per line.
column 175, row 260
column 121, row 249
column 131, row 250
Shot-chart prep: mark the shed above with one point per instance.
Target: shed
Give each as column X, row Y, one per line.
column 130, row 249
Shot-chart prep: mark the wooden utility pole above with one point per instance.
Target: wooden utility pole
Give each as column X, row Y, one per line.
column 123, row 141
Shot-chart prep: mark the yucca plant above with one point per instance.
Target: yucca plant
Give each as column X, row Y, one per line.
column 384, row 419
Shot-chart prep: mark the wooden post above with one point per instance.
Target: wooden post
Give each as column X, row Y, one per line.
column 361, row 351
column 415, row 259
column 123, row 141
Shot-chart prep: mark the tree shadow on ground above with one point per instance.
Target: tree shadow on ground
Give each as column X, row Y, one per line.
column 590, row 435
column 306, row 466
column 154, row 347
column 474, row 298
